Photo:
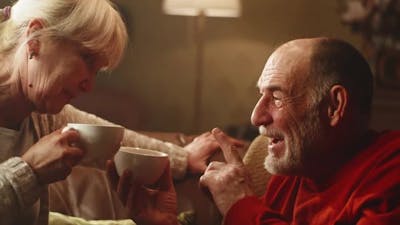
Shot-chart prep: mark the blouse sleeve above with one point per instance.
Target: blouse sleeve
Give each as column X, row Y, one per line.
column 19, row 189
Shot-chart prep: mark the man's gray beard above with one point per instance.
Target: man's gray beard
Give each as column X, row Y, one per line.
column 293, row 163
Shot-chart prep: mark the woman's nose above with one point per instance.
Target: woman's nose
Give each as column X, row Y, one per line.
column 260, row 115
column 86, row 85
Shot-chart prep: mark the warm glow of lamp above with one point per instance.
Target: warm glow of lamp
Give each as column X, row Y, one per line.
column 212, row 8
column 201, row 9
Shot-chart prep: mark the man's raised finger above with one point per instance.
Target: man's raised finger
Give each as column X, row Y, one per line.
column 231, row 155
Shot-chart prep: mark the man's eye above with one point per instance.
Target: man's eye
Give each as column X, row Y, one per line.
column 277, row 99
column 278, row 103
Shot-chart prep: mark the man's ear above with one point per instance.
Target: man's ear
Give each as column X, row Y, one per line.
column 34, row 43
column 338, row 100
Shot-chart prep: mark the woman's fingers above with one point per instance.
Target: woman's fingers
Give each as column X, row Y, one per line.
column 112, row 174
column 165, row 182
column 124, row 185
column 228, row 146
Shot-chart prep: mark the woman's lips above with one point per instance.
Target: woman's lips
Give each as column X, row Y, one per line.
column 69, row 96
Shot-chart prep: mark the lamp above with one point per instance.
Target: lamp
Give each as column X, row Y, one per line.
column 212, row 8
column 200, row 9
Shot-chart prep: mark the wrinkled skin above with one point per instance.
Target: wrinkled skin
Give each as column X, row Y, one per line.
column 53, row 156
column 47, row 76
column 227, row 181
column 58, row 72
column 201, row 149
column 147, row 206
column 158, row 205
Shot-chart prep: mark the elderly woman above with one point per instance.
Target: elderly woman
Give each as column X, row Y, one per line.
column 50, row 52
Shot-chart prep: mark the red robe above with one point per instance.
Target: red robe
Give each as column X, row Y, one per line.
column 366, row 191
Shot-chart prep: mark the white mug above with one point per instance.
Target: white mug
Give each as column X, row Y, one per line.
column 99, row 141
column 146, row 165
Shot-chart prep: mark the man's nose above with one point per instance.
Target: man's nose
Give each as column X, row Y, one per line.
column 260, row 115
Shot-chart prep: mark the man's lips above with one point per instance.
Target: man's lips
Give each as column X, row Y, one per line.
column 276, row 145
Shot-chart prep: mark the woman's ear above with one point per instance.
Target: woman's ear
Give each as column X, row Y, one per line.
column 33, row 42
column 338, row 100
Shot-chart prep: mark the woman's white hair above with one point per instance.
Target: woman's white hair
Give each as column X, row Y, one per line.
column 95, row 25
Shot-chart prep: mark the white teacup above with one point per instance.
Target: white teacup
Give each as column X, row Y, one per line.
column 100, row 141
column 146, row 165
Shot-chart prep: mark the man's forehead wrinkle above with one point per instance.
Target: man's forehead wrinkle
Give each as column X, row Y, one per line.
column 287, row 62
column 274, row 73
column 286, row 57
column 271, row 77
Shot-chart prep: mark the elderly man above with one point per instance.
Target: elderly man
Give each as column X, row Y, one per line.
column 327, row 166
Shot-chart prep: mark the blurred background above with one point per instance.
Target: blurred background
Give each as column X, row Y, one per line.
column 156, row 88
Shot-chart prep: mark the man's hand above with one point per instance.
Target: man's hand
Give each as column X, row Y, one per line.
column 228, row 182
column 53, row 156
column 147, row 206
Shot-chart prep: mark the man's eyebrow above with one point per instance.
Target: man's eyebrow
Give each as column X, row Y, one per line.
column 270, row 87
column 275, row 88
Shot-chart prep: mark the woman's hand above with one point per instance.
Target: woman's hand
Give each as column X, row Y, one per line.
column 53, row 156
column 201, row 149
column 148, row 206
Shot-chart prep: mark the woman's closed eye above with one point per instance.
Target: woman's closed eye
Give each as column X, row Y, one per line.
column 89, row 60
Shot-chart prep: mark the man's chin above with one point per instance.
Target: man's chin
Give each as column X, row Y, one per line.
column 279, row 166
column 271, row 165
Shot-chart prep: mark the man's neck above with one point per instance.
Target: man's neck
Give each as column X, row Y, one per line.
column 324, row 168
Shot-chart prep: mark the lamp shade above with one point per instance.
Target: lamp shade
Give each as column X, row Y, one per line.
column 212, row 8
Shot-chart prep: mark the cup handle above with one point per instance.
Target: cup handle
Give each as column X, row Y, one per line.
column 67, row 128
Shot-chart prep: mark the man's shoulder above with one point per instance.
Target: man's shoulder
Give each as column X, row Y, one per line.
column 382, row 154
column 282, row 182
column 387, row 141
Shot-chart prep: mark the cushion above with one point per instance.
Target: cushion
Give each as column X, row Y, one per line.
column 254, row 162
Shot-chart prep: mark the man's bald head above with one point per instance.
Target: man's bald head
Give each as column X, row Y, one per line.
column 332, row 61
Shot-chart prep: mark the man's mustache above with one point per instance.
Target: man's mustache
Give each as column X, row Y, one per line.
column 270, row 132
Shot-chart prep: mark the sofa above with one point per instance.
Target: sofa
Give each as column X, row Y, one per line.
column 86, row 193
